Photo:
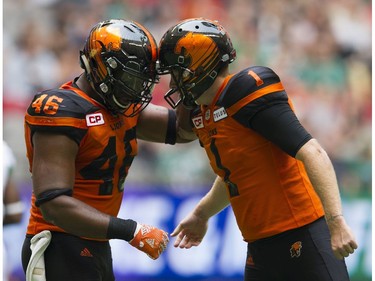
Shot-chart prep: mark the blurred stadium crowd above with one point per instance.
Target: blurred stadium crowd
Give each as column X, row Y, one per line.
column 320, row 49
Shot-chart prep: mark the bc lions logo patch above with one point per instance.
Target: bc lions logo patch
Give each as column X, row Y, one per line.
column 249, row 260
column 295, row 250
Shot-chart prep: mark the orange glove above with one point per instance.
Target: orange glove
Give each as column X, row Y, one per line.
column 150, row 240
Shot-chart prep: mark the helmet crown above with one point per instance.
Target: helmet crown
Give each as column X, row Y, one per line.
column 193, row 52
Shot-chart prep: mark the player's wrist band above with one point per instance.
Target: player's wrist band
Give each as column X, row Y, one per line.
column 121, row 229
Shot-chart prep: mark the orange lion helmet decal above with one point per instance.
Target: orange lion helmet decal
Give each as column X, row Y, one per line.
column 108, row 38
column 199, row 51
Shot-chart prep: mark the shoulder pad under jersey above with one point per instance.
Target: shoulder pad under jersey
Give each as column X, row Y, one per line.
column 60, row 103
column 245, row 83
column 59, row 111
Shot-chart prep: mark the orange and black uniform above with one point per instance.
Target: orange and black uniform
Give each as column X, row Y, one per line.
column 251, row 136
column 107, row 147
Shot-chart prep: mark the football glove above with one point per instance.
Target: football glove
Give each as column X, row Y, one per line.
column 150, row 240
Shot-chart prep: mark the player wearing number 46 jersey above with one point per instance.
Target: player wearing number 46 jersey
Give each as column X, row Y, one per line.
column 81, row 140
column 277, row 178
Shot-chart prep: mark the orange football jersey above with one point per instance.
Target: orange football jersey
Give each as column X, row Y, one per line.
column 107, row 147
column 269, row 190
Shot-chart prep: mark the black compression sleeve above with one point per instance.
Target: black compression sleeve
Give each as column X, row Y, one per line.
column 121, row 229
column 171, row 135
column 281, row 126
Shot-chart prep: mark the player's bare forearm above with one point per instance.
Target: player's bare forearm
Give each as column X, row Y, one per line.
column 214, row 201
column 191, row 230
column 80, row 219
column 76, row 217
column 323, row 177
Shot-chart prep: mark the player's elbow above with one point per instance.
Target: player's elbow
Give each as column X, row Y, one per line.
column 48, row 212
column 53, row 210
column 311, row 149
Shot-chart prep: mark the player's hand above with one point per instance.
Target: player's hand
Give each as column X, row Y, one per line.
column 190, row 231
column 150, row 240
column 342, row 239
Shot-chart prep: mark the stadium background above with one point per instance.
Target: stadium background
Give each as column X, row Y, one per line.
column 320, row 49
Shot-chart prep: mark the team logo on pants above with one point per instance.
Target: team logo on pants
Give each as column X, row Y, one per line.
column 295, row 250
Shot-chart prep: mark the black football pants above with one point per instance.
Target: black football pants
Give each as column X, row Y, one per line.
column 302, row 254
column 71, row 258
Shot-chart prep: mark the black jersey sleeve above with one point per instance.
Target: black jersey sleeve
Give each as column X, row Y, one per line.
column 279, row 124
column 269, row 115
column 59, row 111
column 272, row 117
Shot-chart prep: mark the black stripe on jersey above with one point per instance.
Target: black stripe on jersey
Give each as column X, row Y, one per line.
column 272, row 117
column 72, row 105
column 74, row 133
column 242, row 84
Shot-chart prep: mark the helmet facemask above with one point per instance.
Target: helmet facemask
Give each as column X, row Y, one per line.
column 189, row 84
column 180, row 77
column 126, row 90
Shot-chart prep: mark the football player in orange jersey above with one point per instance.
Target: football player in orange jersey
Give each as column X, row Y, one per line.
column 278, row 179
column 81, row 139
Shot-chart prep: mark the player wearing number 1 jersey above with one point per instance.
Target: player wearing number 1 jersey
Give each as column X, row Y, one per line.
column 277, row 178
column 81, row 139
